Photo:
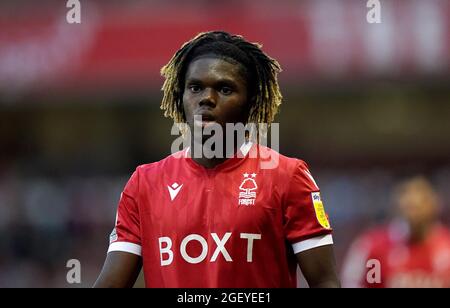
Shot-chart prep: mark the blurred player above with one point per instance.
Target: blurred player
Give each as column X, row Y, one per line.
column 221, row 222
column 413, row 251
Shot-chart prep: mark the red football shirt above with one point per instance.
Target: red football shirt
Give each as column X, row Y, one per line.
column 236, row 225
column 402, row 263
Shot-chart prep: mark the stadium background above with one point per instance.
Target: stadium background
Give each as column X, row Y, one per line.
column 79, row 110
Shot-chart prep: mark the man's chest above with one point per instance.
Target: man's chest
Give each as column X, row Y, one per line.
column 246, row 200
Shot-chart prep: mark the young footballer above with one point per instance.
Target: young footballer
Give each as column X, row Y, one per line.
column 201, row 221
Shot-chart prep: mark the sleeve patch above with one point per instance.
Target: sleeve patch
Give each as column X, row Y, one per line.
column 321, row 216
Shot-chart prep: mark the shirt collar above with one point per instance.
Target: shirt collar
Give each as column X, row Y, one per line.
column 229, row 164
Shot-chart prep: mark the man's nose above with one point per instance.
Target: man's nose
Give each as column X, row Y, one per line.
column 209, row 98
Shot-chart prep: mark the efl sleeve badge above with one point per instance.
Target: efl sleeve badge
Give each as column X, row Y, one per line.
column 320, row 210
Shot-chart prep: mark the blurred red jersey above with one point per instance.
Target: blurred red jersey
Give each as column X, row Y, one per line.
column 403, row 264
column 236, row 225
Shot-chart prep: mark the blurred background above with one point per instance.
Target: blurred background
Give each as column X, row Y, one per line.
column 365, row 104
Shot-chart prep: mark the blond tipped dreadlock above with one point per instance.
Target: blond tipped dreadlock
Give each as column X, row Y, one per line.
column 259, row 69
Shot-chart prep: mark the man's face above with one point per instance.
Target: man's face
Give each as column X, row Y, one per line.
column 216, row 90
column 417, row 202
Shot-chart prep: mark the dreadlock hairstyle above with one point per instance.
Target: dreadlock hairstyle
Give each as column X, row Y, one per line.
column 258, row 68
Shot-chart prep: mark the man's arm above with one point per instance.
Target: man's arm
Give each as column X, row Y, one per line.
column 120, row 270
column 319, row 267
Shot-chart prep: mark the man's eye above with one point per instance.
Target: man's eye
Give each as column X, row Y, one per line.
column 226, row 90
column 195, row 89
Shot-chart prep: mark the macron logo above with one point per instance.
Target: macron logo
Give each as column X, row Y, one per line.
column 174, row 190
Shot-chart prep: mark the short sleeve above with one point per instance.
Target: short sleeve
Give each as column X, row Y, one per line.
column 126, row 234
column 306, row 223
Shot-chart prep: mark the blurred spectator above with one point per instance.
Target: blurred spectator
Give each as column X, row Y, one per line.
column 412, row 251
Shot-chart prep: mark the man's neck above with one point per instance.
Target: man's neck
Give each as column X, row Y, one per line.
column 209, row 163
column 419, row 233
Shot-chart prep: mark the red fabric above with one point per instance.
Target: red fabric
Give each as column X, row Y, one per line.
column 208, row 206
column 403, row 264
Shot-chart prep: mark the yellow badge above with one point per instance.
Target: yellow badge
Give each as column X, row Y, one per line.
column 320, row 210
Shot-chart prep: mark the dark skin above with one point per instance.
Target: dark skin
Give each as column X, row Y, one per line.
column 216, row 89
column 121, row 269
